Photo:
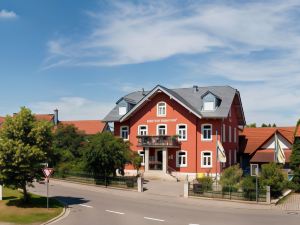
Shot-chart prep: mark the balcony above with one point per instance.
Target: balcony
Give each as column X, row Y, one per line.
column 158, row 141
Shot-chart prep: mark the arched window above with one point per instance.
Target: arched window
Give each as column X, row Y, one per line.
column 206, row 159
column 206, row 132
column 124, row 132
column 181, row 158
column 181, row 131
column 161, row 109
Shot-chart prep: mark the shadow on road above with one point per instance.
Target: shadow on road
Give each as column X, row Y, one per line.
column 71, row 200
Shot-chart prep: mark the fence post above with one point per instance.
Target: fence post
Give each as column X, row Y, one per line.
column 140, row 182
column 1, row 192
column 186, row 189
column 268, row 195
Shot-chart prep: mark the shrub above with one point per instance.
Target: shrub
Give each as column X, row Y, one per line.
column 248, row 185
column 295, row 162
column 206, row 183
column 271, row 175
column 231, row 178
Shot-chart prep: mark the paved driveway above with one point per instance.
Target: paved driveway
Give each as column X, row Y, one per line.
column 164, row 188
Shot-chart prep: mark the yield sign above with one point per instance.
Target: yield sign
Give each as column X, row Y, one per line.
column 47, row 172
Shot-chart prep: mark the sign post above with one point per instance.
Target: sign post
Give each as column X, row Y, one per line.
column 47, row 172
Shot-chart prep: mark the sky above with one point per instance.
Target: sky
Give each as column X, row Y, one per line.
column 82, row 56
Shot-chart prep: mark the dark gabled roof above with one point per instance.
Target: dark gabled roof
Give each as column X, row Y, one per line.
column 190, row 99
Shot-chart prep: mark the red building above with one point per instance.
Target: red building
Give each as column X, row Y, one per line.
column 175, row 130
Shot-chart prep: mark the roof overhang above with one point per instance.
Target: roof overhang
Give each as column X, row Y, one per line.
column 158, row 88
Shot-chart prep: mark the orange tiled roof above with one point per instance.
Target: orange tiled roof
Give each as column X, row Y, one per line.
column 256, row 137
column 47, row 117
column 87, row 126
column 267, row 155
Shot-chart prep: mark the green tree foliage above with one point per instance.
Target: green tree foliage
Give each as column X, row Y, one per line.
column 68, row 147
column 295, row 161
column 264, row 125
column 105, row 154
column 272, row 175
column 231, row 177
column 136, row 161
column 24, row 145
column 251, row 125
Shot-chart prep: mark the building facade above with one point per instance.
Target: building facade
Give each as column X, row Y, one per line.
column 257, row 146
column 176, row 130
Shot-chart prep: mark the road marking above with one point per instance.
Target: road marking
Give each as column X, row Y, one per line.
column 193, row 224
column 87, row 206
column 149, row 218
column 110, row 211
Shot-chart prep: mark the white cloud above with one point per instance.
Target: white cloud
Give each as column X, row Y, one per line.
column 4, row 14
column 74, row 108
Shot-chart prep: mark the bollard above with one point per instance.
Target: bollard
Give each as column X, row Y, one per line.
column 140, row 182
column 186, row 189
column 1, row 193
column 268, row 195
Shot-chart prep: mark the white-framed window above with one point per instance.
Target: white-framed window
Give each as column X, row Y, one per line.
column 235, row 135
column 161, row 129
column 224, row 133
column 206, row 130
column 143, row 130
column 229, row 133
column 161, row 109
column 142, row 154
column 122, row 110
column 124, row 132
column 181, row 131
column 254, row 169
column 181, row 158
column 206, row 159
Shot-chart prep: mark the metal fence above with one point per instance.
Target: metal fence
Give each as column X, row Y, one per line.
column 117, row 181
column 228, row 193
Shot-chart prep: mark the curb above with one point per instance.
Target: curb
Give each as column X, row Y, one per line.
column 95, row 185
column 64, row 213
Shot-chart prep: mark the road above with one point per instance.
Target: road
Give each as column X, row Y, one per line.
column 99, row 206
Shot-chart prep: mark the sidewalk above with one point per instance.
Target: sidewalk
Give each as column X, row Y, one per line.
column 163, row 188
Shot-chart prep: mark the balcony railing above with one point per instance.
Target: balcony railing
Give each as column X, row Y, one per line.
column 158, row 141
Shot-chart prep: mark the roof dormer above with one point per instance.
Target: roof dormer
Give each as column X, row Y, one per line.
column 210, row 101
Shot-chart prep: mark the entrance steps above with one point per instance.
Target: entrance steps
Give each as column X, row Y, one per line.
column 159, row 175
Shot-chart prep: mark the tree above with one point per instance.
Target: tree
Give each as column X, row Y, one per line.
column 105, row 154
column 68, row 147
column 24, row 146
column 295, row 161
column 136, row 161
column 264, row 125
column 274, row 125
column 271, row 175
column 231, row 177
column 251, row 125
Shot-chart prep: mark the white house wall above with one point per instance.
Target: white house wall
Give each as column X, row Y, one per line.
column 283, row 143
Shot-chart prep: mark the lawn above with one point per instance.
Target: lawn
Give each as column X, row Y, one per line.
column 13, row 210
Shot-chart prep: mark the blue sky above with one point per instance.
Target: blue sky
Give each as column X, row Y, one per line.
column 81, row 56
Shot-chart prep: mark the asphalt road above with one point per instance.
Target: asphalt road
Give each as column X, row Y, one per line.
column 100, row 206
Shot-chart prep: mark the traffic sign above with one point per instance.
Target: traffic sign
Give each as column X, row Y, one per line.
column 48, row 172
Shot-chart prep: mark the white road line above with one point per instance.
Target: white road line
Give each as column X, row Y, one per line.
column 149, row 218
column 110, row 211
column 87, row 206
column 193, row 224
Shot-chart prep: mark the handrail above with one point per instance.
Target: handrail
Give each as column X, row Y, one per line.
column 170, row 170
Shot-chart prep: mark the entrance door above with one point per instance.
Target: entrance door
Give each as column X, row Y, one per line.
column 159, row 159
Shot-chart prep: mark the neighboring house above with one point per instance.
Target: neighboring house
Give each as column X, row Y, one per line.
column 89, row 127
column 257, row 145
column 175, row 130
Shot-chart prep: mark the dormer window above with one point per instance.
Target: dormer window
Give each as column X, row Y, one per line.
column 210, row 102
column 161, row 109
column 122, row 110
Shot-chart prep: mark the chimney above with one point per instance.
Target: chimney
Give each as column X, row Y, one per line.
column 196, row 89
column 55, row 117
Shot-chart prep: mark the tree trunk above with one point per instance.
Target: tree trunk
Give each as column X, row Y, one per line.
column 25, row 194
